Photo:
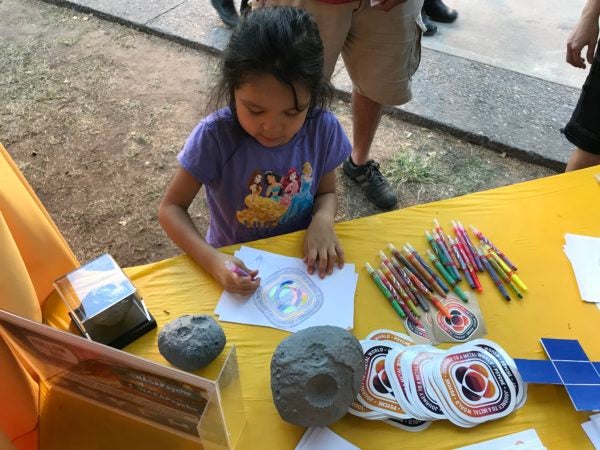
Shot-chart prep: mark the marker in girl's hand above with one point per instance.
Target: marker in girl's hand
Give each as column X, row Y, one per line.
column 236, row 269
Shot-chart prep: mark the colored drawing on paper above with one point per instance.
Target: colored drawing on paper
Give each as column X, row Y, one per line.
column 288, row 297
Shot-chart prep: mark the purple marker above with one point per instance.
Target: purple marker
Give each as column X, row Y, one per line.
column 236, row 269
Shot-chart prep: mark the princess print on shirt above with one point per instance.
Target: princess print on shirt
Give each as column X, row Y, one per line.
column 302, row 202
column 260, row 211
column 277, row 207
column 290, row 186
column 273, row 185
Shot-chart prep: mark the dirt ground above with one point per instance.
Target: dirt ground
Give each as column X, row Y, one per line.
column 94, row 114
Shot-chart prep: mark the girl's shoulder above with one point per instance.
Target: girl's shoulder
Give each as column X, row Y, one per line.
column 223, row 118
column 322, row 115
column 323, row 123
column 220, row 126
column 323, row 119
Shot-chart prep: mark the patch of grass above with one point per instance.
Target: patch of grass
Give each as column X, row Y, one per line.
column 142, row 139
column 409, row 167
column 470, row 174
column 124, row 38
column 44, row 88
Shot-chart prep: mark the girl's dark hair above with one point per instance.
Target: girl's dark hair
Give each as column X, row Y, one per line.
column 280, row 41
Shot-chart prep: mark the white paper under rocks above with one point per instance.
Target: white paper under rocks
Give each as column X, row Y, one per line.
column 318, row 438
column 592, row 429
column 523, row 440
column 409, row 386
column 289, row 298
column 584, row 254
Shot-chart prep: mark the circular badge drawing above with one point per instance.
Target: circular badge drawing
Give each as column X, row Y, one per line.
column 462, row 323
column 288, row 297
column 475, row 382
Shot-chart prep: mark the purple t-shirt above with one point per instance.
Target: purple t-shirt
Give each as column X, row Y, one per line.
column 254, row 191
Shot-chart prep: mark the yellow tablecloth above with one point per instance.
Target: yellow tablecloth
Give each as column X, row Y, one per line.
column 528, row 221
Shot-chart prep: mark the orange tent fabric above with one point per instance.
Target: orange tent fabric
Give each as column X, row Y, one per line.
column 33, row 254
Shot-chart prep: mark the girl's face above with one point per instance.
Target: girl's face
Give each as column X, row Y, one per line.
column 266, row 109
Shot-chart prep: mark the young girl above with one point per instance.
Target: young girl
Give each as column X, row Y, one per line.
column 275, row 123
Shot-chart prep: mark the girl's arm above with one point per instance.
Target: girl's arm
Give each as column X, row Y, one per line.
column 321, row 246
column 174, row 218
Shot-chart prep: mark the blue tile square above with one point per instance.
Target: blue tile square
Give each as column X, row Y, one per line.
column 597, row 367
column 585, row 398
column 537, row 371
column 577, row 372
column 564, row 349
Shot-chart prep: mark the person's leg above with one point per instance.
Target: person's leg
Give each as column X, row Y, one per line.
column 366, row 114
column 365, row 119
column 583, row 129
column 580, row 159
column 381, row 54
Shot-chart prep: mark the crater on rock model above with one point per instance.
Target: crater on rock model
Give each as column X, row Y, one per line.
column 315, row 375
column 191, row 342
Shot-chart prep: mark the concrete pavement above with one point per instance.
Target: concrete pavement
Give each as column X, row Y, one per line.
column 495, row 77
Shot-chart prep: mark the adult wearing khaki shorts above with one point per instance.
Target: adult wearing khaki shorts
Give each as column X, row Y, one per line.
column 381, row 48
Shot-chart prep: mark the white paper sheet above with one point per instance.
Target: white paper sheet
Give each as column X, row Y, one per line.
column 523, row 440
column 592, row 433
column 584, row 254
column 323, row 439
column 337, row 291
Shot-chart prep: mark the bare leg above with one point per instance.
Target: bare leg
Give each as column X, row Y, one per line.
column 366, row 115
column 580, row 159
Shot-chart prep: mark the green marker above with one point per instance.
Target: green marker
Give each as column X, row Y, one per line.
column 385, row 291
column 442, row 256
column 451, row 281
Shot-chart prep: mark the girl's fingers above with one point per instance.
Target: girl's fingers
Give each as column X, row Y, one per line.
column 340, row 255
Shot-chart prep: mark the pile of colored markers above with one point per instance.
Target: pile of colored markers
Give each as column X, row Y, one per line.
column 408, row 282
column 458, row 255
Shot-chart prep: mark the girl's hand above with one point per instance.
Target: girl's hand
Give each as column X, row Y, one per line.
column 233, row 280
column 321, row 247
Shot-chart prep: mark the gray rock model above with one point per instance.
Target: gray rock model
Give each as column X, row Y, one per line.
column 315, row 375
column 191, row 342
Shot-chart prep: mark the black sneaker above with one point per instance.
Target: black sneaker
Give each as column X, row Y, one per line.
column 376, row 187
column 431, row 27
column 226, row 11
column 438, row 11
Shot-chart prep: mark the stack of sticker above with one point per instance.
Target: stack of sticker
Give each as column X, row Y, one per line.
column 408, row 386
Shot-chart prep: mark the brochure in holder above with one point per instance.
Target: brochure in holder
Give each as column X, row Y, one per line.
column 104, row 304
column 150, row 403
